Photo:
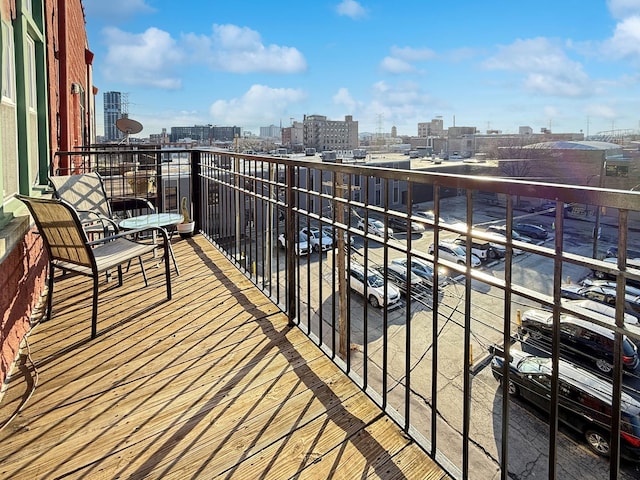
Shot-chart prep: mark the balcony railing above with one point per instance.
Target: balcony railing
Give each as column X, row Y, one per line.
column 423, row 359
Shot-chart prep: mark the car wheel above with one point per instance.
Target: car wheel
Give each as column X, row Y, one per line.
column 598, row 274
column 316, row 248
column 604, row 366
column 374, row 301
column 597, row 441
column 513, row 389
column 492, row 254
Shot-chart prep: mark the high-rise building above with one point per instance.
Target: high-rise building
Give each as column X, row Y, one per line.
column 112, row 112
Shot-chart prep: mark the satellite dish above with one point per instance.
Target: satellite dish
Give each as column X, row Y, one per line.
column 128, row 125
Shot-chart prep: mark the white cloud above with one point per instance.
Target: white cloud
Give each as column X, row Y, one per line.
column 545, row 67
column 601, row 111
column 413, row 54
column 343, row 98
column 154, row 58
column 401, row 59
column 258, row 105
column 116, row 10
column 150, row 58
column 351, row 8
column 240, row 50
column 396, row 66
column 626, row 39
column 623, row 8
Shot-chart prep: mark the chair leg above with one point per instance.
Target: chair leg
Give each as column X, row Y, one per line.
column 167, row 271
column 120, row 281
column 144, row 273
column 50, row 292
column 94, row 313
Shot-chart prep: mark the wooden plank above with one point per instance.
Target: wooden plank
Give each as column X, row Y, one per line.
column 210, row 383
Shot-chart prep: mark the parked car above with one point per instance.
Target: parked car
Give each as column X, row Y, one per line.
column 483, row 249
column 424, row 268
column 400, row 276
column 331, row 232
column 375, row 226
column 429, row 216
column 454, row 253
column 630, row 289
column 400, row 224
column 502, row 231
column 612, row 251
column 530, row 230
column 549, row 208
column 370, row 284
column 600, row 293
column 583, row 341
column 319, row 241
column 633, row 264
column 301, row 244
column 601, row 309
column 584, row 400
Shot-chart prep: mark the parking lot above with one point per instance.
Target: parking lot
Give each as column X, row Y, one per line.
column 528, row 427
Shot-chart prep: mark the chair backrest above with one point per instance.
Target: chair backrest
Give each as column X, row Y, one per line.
column 60, row 227
column 85, row 192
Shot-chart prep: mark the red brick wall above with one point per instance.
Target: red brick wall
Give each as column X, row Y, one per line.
column 64, row 107
column 22, row 278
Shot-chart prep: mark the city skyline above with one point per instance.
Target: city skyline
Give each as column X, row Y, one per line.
column 564, row 66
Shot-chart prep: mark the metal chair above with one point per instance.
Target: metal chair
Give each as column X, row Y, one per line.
column 70, row 250
column 86, row 193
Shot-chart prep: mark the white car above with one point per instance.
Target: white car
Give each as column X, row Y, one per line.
column 375, row 226
column 319, row 241
column 454, row 253
column 301, row 244
column 370, row 284
column 330, row 232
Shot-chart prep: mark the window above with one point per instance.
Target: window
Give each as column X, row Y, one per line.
column 8, row 63
column 31, row 75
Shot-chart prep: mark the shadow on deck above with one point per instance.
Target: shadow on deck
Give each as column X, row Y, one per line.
column 212, row 384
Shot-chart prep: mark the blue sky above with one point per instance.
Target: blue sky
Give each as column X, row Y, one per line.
column 567, row 65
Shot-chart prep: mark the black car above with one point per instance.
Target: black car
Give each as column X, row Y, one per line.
column 612, row 251
column 602, row 293
column 584, row 400
column 633, row 265
column 398, row 275
column 530, row 230
column 580, row 340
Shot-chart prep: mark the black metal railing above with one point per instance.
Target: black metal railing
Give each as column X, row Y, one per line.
column 405, row 354
column 425, row 358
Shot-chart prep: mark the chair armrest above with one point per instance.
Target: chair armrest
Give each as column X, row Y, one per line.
column 162, row 231
column 89, row 218
column 139, row 202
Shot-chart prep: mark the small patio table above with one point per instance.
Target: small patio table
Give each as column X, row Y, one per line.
column 167, row 221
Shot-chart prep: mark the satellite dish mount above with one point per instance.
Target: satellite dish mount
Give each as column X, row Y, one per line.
column 128, row 126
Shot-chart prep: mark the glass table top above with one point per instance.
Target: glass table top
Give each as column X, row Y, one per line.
column 151, row 220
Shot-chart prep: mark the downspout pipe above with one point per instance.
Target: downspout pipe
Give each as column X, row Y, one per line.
column 63, row 87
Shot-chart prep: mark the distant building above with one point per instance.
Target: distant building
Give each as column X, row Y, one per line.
column 272, row 131
column 323, row 134
column 112, row 113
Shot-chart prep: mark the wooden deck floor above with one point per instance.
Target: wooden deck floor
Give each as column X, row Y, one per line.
column 211, row 384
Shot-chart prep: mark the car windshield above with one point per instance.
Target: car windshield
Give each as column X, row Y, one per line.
column 535, row 365
column 302, row 237
column 375, row 280
column 377, row 224
column 458, row 250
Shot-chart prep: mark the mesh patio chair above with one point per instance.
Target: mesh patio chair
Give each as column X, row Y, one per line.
column 86, row 193
column 70, row 250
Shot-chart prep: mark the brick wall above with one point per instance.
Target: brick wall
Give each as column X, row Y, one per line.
column 22, row 279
